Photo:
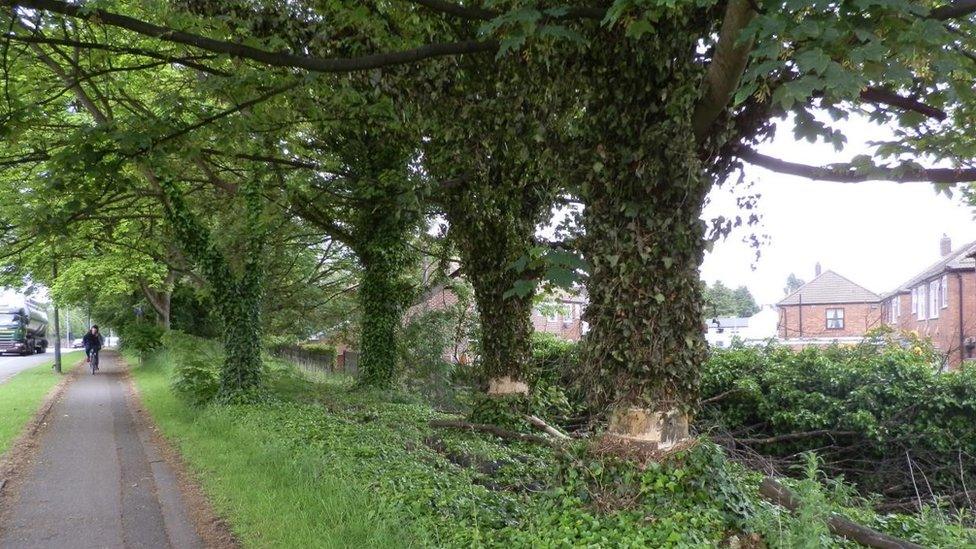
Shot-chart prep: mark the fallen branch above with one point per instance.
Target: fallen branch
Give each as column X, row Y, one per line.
column 721, row 395
column 839, row 526
column 485, row 428
column 547, row 428
column 796, row 436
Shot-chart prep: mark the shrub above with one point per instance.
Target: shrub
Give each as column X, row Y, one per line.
column 196, row 376
column 142, row 337
column 878, row 412
column 555, row 390
column 424, row 341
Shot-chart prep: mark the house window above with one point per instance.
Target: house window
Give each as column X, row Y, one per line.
column 920, row 292
column 893, row 310
column 835, row 319
column 945, row 291
column 914, row 300
column 934, row 294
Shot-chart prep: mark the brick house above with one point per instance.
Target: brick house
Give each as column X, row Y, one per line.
column 828, row 308
column 560, row 315
column 940, row 303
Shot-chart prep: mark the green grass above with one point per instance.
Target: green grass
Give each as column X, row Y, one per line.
column 274, row 494
column 22, row 395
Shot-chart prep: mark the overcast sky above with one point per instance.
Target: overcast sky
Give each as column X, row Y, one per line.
column 877, row 234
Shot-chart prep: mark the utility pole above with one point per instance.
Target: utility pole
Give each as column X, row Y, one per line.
column 57, row 326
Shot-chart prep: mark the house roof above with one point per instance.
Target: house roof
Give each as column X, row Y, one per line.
column 957, row 260
column 830, row 287
column 729, row 322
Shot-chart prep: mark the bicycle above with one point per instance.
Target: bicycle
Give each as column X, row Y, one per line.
column 93, row 361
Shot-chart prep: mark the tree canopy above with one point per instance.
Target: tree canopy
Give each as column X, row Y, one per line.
column 249, row 147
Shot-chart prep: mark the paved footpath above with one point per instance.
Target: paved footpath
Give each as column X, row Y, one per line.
column 97, row 480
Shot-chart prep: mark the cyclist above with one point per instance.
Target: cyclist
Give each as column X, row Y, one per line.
column 93, row 342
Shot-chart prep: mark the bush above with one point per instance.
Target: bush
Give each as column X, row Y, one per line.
column 879, row 413
column 142, row 337
column 424, row 341
column 555, row 389
column 196, row 376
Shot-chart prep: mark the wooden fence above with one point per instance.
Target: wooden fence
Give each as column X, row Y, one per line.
column 319, row 363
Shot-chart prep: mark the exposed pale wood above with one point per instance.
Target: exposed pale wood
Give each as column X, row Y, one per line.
column 538, row 422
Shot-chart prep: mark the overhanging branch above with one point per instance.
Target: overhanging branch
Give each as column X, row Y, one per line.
column 953, row 10
column 887, row 97
column 314, row 64
column 848, row 173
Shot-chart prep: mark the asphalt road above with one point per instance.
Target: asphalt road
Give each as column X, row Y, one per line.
column 11, row 365
column 97, row 480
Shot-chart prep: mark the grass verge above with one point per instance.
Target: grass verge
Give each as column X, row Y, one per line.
column 323, row 465
column 21, row 395
column 273, row 493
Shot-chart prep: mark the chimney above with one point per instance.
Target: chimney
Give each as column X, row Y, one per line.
column 945, row 245
column 816, row 269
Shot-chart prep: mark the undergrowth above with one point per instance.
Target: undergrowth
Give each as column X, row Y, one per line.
column 324, row 464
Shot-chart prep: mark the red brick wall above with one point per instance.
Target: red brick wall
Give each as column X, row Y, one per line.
column 944, row 331
column 858, row 319
column 571, row 329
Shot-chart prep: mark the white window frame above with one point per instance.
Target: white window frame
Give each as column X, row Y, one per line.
column 934, row 294
column 944, row 293
column 839, row 317
column 922, row 301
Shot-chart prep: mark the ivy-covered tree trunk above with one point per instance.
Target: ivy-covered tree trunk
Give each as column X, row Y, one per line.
column 494, row 227
column 644, row 238
column 237, row 291
column 506, row 325
column 240, row 310
column 383, row 294
column 382, row 309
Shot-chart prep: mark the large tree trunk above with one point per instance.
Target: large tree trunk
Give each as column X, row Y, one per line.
column 381, row 304
column 644, row 237
column 237, row 292
column 160, row 301
column 383, row 293
column 494, row 226
column 241, row 315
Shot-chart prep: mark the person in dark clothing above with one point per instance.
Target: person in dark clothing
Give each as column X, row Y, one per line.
column 93, row 342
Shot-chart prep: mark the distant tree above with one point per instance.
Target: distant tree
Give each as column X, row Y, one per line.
column 720, row 300
column 792, row 284
column 745, row 303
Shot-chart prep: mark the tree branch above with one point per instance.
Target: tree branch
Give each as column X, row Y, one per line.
column 887, row 97
column 840, row 526
column 186, row 62
column 314, row 64
column 953, row 10
column 725, row 70
column 457, row 10
column 847, row 173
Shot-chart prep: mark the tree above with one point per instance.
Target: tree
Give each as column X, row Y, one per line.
column 493, row 161
column 721, row 300
column 792, row 284
column 668, row 99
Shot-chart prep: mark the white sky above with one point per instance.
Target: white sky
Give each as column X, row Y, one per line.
column 877, row 234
